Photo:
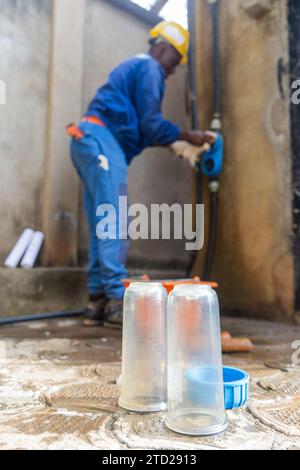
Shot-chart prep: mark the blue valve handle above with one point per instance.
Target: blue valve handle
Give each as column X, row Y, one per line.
column 212, row 160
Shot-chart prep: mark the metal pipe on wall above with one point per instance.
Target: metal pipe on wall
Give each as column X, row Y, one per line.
column 194, row 110
column 216, row 125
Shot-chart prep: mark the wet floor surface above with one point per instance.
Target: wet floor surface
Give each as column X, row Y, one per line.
column 58, row 391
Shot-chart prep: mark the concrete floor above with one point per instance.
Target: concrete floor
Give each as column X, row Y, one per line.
column 58, row 391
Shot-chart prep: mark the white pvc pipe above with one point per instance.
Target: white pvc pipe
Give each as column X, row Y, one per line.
column 19, row 249
column 33, row 250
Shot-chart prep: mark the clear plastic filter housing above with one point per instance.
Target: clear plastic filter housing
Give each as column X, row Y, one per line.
column 195, row 381
column 144, row 349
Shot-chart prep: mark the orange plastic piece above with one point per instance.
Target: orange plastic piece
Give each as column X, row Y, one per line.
column 233, row 345
column 170, row 284
column 74, row 132
column 225, row 335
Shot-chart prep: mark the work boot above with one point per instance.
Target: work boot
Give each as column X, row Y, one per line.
column 94, row 312
column 113, row 313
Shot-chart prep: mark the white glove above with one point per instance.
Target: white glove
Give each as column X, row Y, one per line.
column 188, row 152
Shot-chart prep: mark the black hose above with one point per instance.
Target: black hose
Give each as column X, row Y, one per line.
column 216, row 58
column 192, row 65
column 212, row 236
column 215, row 126
column 40, row 316
column 194, row 111
column 193, row 88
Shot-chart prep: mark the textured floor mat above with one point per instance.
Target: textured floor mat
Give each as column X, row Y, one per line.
column 108, row 372
column 283, row 416
column 87, row 396
column 149, row 432
column 285, row 384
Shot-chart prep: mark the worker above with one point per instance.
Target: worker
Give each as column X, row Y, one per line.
column 122, row 120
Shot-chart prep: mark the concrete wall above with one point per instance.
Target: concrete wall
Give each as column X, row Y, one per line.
column 54, row 55
column 24, row 52
column 254, row 263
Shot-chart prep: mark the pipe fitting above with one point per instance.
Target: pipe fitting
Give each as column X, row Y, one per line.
column 214, row 186
column 216, row 123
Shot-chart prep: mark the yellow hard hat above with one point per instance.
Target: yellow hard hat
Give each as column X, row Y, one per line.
column 175, row 34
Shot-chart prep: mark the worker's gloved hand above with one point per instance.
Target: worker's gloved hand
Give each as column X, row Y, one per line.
column 198, row 138
column 189, row 152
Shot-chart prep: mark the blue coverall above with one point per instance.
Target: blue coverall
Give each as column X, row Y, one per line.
column 130, row 106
